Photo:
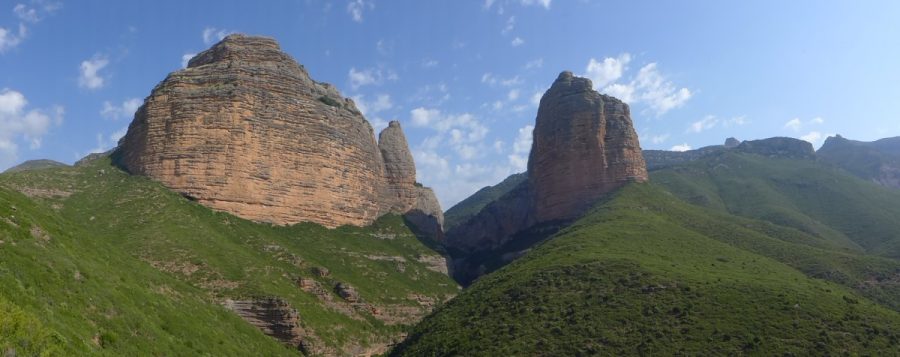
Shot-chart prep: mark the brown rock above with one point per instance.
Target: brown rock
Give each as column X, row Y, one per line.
column 273, row 316
column 584, row 146
column 245, row 130
column 347, row 292
column 400, row 169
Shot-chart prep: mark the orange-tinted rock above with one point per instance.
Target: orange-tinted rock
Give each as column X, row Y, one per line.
column 400, row 169
column 245, row 130
column 584, row 146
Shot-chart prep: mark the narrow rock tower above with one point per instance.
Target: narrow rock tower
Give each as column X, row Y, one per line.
column 584, row 146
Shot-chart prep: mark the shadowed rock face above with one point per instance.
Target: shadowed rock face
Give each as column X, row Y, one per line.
column 584, row 146
column 245, row 130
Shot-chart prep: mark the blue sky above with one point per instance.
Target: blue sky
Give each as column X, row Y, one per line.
column 463, row 76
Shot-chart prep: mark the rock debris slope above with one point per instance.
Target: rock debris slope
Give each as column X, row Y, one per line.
column 245, row 130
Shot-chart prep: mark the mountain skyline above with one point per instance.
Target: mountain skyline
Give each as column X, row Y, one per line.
column 465, row 83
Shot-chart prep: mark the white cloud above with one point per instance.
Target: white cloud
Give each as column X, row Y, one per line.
column 90, row 77
column 659, row 139
column 518, row 41
column 812, row 137
column 682, row 147
column 544, row 3
column 13, row 36
column 493, row 80
column 711, row 121
column 107, row 142
column 356, row 8
column 463, row 132
column 381, row 103
column 124, row 110
column 659, row 92
column 708, row 122
column 17, row 123
column 212, row 35
column 510, row 25
column 648, row 87
column 26, row 14
column 794, row 124
column 797, row 125
column 512, row 95
column 522, row 145
column 607, row 71
column 430, row 63
column 9, row 39
column 536, row 98
column 369, row 76
column 537, row 63
column 185, row 58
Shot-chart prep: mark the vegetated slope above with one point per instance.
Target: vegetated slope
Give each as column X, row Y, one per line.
column 805, row 194
column 121, row 260
column 35, row 165
column 646, row 273
column 470, row 206
column 66, row 293
column 877, row 161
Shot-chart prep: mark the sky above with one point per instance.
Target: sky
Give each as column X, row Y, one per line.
column 464, row 77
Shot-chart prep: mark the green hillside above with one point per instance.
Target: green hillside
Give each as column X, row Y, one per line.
column 470, row 206
column 93, row 260
column 646, row 273
column 877, row 161
column 35, row 165
column 816, row 198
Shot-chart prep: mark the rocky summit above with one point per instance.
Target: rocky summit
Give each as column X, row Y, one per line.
column 584, row 146
column 245, row 130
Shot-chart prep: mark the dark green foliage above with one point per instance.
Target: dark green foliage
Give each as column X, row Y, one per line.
column 647, row 274
column 330, row 101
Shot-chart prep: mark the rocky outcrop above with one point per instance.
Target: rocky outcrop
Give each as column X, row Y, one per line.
column 584, row 146
column 877, row 161
column 781, row 147
column 245, row 130
column 272, row 316
column 659, row 159
column 400, row 169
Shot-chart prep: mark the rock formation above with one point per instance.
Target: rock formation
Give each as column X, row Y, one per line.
column 782, row 147
column 659, row 159
column 877, row 161
column 584, row 146
column 245, row 130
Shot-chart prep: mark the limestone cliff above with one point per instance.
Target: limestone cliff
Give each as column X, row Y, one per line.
column 584, row 146
column 245, row 130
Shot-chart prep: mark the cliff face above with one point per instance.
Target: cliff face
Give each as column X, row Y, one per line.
column 584, row 146
column 245, row 130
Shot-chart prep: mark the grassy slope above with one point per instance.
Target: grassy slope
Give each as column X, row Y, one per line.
column 470, row 206
column 863, row 159
column 645, row 273
column 114, row 228
column 825, row 202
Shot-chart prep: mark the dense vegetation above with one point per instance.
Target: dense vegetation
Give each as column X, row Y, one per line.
column 808, row 195
column 646, row 273
column 93, row 260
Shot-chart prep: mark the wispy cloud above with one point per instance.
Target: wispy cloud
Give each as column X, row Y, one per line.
column 212, row 35
column 124, row 110
column 356, row 9
column 648, row 87
column 90, row 77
